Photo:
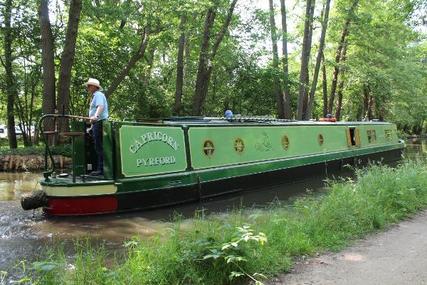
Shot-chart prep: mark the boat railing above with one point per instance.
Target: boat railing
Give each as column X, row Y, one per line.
column 46, row 134
column 256, row 119
column 234, row 119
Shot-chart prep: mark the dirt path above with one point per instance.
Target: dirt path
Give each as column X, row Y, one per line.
column 398, row 256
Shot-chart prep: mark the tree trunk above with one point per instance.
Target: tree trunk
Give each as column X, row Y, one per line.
column 202, row 70
column 180, row 68
column 22, row 116
column 187, row 55
column 305, row 58
column 381, row 112
column 366, row 92
column 131, row 63
column 11, row 85
column 285, row 63
column 67, row 60
column 325, row 19
column 141, row 100
column 206, row 58
column 341, row 86
column 31, row 111
column 371, row 104
column 276, row 81
column 338, row 55
column 325, row 88
column 224, row 29
column 48, row 101
column 339, row 101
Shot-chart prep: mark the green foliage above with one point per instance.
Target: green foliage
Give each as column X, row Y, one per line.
column 232, row 253
column 386, row 56
column 383, row 61
column 224, row 249
column 26, row 63
column 64, row 150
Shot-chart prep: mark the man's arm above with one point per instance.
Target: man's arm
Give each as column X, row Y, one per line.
column 99, row 110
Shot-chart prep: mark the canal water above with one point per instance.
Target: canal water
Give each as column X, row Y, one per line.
column 24, row 235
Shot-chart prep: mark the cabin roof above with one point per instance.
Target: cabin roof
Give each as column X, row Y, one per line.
column 249, row 121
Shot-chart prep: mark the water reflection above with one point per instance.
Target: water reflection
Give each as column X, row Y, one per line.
column 110, row 228
column 416, row 148
column 13, row 185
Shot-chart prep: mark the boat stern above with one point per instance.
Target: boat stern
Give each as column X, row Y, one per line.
column 82, row 197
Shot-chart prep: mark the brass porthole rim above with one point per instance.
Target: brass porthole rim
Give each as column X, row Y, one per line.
column 208, row 148
column 320, row 139
column 285, row 142
column 239, row 145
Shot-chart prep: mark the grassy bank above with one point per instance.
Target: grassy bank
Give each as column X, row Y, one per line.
column 250, row 244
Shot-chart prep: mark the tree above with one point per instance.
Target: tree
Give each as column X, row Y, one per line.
column 48, row 74
column 207, row 55
column 138, row 54
column 67, row 60
column 11, row 84
column 339, row 54
column 341, row 85
column 378, row 68
column 305, row 57
column 325, row 19
column 285, row 63
column 324, row 87
column 180, row 67
column 277, row 88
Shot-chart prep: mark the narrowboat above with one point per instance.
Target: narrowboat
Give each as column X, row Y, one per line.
column 170, row 161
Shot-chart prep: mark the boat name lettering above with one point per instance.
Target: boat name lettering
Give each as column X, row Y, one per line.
column 153, row 161
column 153, row 136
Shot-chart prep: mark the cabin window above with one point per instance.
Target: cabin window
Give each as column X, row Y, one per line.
column 208, row 148
column 239, row 145
column 353, row 137
column 1, row 131
column 372, row 136
column 388, row 134
column 320, row 139
column 285, row 142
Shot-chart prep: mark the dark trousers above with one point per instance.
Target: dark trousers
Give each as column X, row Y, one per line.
column 97, row 137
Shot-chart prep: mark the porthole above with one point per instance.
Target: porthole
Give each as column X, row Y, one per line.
column 208, row 148
column 388, row 134
column 372, row 136
column 239, row 145
column 285, row 142
column 320, row 139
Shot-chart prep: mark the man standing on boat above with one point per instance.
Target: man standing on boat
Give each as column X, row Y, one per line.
column 98, row 111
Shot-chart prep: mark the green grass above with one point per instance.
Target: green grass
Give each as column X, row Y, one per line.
column 232, row 248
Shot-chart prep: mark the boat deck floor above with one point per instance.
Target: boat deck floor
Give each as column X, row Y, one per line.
column 82, row 179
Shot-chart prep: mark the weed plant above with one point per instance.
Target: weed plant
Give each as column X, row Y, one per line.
column 252, row 244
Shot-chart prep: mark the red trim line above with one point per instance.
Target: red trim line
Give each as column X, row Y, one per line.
column 81, row 206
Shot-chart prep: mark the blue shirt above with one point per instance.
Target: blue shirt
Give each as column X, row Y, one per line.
column 98, row 99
